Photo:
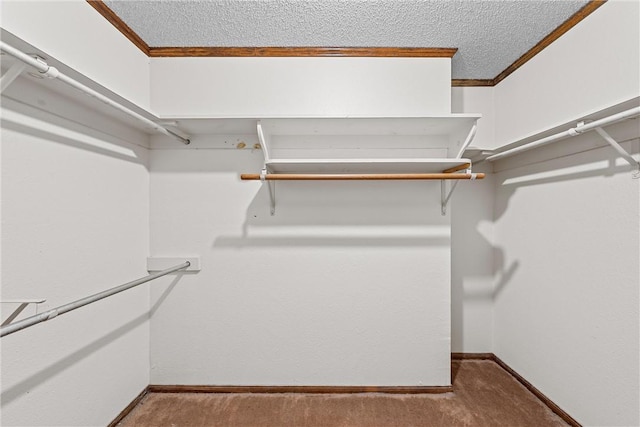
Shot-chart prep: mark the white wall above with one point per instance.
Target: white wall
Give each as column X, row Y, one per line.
column 594, row 65
column 566, row 225
column 348, row 284
column 477, row 100
column 283, row 296
column 472, row 271
column 272, row 87
column 566, row 297
column 74, row 33
column 75, row 219
column 472, row 248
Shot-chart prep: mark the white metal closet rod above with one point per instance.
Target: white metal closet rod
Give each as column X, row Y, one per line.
column 54, row 312
column 633, row 112
column 53, row 73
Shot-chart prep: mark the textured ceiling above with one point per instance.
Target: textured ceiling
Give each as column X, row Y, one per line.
column 489, row 35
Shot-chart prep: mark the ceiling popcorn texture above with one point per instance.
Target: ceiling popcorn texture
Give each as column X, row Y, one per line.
column 489, row 35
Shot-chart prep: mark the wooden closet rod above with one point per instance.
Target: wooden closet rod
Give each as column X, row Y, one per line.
column 357, row 177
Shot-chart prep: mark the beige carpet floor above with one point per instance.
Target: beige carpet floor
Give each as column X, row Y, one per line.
column 484, row 395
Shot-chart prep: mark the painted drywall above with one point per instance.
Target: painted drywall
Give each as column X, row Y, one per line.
column 348, row 284
column 566, row 224
column 566, row 298
column 256, row 247
column 77, row 35
column 75, row 218
column 594, row 65
column 472, row 273
column 472, row 248
column 477, row 100
column 272, row 87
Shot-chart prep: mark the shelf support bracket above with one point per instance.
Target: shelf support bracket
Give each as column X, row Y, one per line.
column 446, row 196
column 271, row 185
column 628, row 157
column 467, row 142
column 22, row 305
column 11, row 74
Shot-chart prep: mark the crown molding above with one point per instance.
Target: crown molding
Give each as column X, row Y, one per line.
column 396, row 52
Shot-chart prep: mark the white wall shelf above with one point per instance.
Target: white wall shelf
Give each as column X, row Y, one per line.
column 365, row 145
column 372, row 136
column 359, row 166
column 372, row 147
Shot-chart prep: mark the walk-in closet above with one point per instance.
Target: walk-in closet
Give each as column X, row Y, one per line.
column 320, row 213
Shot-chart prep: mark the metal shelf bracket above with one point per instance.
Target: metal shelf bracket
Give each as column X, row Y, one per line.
column 623, row 153
column 468, row 140
column 446, row 196
column 22, row 304
column 271, row 185
column 11, row 74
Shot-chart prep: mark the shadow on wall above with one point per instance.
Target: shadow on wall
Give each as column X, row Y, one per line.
column 547, row 175
column 602, row 162
column 475, row 264
column 331, row 226
column 329, row 214
column 568, row 160
column 472, row 229
column 31, row 121
column 42, row 376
